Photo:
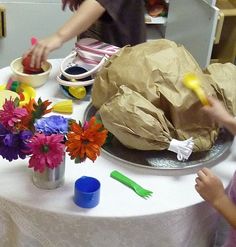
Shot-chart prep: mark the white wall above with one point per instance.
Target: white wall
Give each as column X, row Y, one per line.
column 28, row 18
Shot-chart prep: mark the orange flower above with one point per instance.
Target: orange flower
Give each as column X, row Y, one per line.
column 86, row 141
column 35, row 111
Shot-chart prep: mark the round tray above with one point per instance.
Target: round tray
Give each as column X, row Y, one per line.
column 165, row 159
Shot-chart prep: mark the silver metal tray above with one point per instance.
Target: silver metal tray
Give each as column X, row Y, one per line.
column 165, row 160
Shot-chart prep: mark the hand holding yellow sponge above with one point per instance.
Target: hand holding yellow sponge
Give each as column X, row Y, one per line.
column 192, row 82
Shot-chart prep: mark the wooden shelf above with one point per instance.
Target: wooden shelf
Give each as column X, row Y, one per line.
column 225, row 49
column 228, row 7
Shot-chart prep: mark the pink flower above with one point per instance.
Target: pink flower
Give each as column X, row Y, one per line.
column 10, row 114
column 47, row 151
column 86, row 125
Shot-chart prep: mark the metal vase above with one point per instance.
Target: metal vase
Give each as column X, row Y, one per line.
column 50, row 178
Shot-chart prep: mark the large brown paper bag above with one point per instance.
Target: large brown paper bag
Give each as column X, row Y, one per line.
column 224, row 76
column 156, row 70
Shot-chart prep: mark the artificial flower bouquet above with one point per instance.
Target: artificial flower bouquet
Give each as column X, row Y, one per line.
column 26, row 132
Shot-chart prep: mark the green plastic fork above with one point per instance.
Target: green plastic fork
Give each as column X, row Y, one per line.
column 131, row 184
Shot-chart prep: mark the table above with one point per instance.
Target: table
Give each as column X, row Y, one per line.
column 175, row 216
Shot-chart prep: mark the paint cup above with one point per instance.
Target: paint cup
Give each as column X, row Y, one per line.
column 87, row 192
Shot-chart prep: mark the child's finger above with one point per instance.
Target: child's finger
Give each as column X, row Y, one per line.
column 198, row 181
column 201, row 174
column 207, row 171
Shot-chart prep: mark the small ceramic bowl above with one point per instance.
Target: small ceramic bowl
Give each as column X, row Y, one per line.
column 33, row 80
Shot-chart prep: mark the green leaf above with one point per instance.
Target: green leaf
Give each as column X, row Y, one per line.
column 79, row 160
column 16, row 102
column 70, row 122
column 109, row 138
column 39, row 109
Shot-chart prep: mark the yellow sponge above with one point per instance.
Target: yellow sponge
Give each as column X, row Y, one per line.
column 78, row 92
column 65, row 106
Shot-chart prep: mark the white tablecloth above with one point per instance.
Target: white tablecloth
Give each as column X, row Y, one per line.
column 175, row 216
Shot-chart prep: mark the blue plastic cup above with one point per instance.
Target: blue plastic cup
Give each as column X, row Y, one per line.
column 87, row 192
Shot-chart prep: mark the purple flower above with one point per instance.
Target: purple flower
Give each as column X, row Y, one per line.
column 52, row 125
column 14, row 145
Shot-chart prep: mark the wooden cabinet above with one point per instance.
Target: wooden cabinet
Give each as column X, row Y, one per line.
column 191, row 23
column 224, row 49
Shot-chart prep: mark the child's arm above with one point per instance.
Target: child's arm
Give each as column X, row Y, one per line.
column 219, row 114
column 87, row 14
column 227, row 208
column 230, row 124
column 211, row 190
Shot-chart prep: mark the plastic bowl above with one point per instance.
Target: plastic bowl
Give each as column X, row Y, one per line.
column 74, row 70
column 33, row 80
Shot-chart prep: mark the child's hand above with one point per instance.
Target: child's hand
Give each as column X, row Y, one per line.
column 26, row 61
column 73, row 4
column 40, row 51
column 209, row 186
column 216, row 111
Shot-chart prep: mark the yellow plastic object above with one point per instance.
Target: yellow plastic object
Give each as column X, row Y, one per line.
column 28, row 92
column 65, row 106
column 78, row 92
column 192, row 82
column 7, row 94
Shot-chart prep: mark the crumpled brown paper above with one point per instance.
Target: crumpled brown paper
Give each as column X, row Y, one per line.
column 224, row 76
column 135, row 121
column 131, row 67
column 155, row 70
